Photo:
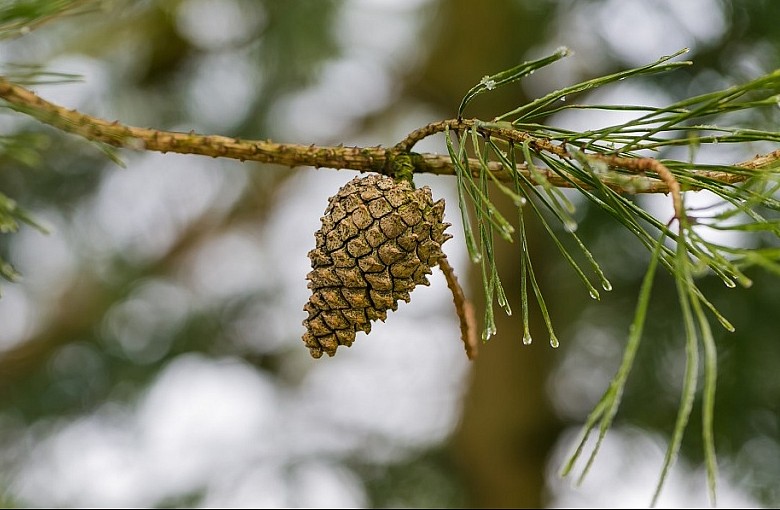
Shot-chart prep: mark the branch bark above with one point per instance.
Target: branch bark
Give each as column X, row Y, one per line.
column 363, row 159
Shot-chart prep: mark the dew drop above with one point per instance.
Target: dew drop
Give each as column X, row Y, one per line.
column 594, row 294
column 729, row 283
column 599, row 167
column 606, row 285
column 527, row 339
column 489, row 83
column 554, row 342
column 726, row 324
column 488, row 332
column 519, row 201
column 570, row 226
column 563, row 98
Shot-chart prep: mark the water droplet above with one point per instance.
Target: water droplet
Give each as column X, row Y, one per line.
column 594, row 294
column 563, row 98
column 606, row 285
column 599, row 167
column 503, row 304
column 553, row 342
column 726, row 324
column 488, row 332
column 489, row 83
column 570, row 225
column 729, row 283
column 519, row 201
column 562, row 51
column 527, row 339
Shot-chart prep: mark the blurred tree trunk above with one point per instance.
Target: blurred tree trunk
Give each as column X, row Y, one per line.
column 507, row 426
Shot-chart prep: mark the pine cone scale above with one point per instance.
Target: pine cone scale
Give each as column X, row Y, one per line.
column 378, row 240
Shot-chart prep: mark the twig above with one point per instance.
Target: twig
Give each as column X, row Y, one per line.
column 652, row 165
column 363, row 159
column 464, row 308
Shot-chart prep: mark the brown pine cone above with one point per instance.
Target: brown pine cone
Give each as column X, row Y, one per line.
column 379, row 239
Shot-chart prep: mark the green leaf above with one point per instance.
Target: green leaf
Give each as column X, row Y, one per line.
column 8, row 272
column 492, row 82
column 11, row 214
column 534, row 107
column 457, row 160
column 604, row 412
column 685, row 295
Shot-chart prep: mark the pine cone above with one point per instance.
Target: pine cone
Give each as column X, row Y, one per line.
column 379, row 239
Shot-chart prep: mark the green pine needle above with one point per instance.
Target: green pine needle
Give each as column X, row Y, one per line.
column 582, row 159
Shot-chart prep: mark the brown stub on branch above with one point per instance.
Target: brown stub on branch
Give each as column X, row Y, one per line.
column 379, row 240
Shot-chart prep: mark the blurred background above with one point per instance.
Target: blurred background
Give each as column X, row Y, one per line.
column 151, row 356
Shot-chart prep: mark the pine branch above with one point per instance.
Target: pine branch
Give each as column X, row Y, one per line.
column 20, row 18
column 363, row 159
column 603, row 165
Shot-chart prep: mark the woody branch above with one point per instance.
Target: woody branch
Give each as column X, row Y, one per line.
column 364, row 159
